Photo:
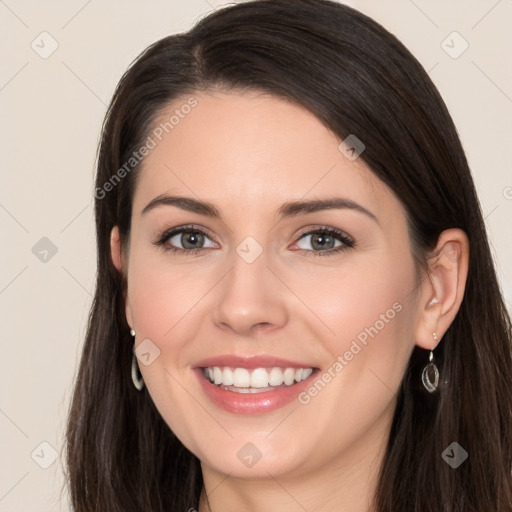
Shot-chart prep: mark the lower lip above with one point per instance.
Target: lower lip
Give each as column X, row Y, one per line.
column 252, row 403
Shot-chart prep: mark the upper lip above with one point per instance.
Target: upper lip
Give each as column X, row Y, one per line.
column 250, row 362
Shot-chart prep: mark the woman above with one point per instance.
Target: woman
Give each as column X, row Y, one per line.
column 228, row 367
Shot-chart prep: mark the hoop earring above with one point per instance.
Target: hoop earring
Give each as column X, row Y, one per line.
column 428, row 370
column 138, row 382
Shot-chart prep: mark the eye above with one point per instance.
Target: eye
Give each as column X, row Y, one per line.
column 324, row 239
column 191, row 239
column 184, row 239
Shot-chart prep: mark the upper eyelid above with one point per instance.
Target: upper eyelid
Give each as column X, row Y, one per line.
column 307, row 231
column 167, row 233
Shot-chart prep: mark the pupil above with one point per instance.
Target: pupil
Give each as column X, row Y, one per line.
column 193, row 237
column 321, row 240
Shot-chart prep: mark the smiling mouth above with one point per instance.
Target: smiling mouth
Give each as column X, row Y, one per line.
column 258, row 380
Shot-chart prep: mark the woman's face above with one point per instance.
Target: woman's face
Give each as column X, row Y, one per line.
column 259, row 289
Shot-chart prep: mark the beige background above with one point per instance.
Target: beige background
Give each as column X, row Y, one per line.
column 52, row 109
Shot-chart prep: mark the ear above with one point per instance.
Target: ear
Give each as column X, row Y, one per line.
column 118, row 260
column 443, row 288
column 115, row 250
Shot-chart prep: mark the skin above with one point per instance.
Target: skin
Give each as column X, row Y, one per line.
column 248, row 153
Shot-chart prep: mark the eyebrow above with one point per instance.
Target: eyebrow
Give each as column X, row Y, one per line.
column 290, row 209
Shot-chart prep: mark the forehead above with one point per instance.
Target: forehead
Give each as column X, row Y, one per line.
column 251, row 150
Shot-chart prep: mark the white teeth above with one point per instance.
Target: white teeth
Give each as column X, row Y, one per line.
column 306, row 373
column 227, row 377
column 241, row 378
column 258, row 378
column 275, row 377
column 289, row 376
column 217, row 375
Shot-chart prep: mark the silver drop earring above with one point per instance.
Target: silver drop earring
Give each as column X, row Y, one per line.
column 430, row 369
column 138, row 382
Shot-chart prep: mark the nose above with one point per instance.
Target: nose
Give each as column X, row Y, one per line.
column 252, row 298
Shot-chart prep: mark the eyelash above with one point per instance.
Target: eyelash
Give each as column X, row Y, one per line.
column 347, row 241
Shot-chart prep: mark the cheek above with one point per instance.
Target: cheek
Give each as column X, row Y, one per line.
column 370, row 311
column 164, row 300
column 367, row 312
column 161, row 295
column 362, row 295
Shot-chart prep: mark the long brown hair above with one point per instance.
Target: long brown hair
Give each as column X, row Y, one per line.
column 356, row 78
